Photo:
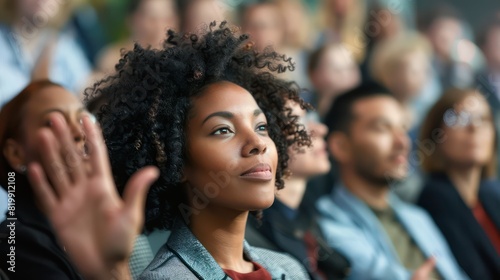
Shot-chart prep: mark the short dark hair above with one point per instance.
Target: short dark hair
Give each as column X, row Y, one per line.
column 340, row 115
column 441, row 10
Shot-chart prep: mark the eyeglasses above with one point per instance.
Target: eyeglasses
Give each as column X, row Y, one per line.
column 454, row 119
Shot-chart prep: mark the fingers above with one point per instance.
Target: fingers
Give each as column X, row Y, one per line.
column 425, row 270
column 69, row 151
column 136, row 190
column 43, row 191
column 52, row 162
column 96, row 148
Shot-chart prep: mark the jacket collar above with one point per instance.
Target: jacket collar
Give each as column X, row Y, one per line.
column 195, row 256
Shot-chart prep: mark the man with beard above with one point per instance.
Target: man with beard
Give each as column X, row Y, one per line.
column 382, row 236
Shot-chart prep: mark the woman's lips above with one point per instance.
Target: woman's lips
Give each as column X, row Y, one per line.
column 259, row 172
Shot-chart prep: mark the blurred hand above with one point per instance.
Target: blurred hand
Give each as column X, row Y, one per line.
column 425, row 270
column 77, row 193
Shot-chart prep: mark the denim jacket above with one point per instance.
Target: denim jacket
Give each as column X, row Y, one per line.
column 184, row 257
column 353, row 229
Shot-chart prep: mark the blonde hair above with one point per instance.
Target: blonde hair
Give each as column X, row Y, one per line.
column 387, row 55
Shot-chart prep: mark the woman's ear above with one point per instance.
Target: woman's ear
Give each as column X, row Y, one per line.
column 339, row 147
column 15, row 156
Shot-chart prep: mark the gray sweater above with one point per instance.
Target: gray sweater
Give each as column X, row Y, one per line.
column 183, row 257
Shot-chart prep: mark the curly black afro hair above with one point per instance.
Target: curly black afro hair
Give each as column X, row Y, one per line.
column 147, row 101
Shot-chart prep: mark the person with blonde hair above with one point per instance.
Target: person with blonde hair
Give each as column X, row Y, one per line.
column 402, row 65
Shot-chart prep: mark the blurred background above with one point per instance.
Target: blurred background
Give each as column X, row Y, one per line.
column 415, row 49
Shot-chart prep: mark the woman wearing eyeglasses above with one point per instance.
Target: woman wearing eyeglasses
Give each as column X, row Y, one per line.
column 459, row 193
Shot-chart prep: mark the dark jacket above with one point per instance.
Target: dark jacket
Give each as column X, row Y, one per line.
column 37, row 252
column 277, row 231
column 468, row 241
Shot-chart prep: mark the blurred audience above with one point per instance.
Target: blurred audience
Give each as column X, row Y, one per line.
column 383, row 23
column 332, row 71
column 382, row 236
column 455, row 56
column 488, row 80
column 35, row 45
column 286, row 228
column 342, row 21
column 196, row 14
column 265, row 22
column 402, row 65
column 460, row 194
column 148, row 22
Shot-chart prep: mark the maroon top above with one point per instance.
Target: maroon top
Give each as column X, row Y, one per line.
column 258, row 273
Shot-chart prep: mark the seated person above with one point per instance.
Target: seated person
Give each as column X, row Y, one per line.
column 208, row 111
column 381, row 236
column 284, row 227
column 69, row 220
column 459, row 193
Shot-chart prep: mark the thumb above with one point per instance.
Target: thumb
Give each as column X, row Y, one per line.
column 135, row 192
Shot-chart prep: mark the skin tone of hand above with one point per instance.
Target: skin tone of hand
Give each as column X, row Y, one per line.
column 425, row 270
column 94, row 224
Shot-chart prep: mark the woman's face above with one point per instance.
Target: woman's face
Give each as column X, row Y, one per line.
column 48, row 102
column 470, row 133
column 264, row 25
column 232, row 160
column 314, row 160
column 337, row 71
column 152, row 20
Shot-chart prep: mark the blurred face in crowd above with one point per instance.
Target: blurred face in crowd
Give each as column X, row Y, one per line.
column 492, row 48
column 227, row 138
column 377, row 146
column 443, row 34
column 340, row 8
column 470, row 133
column 314, row 160
column 29, row 8
column 264, row 24
column 48, row 102
column 203, row 12
column 409, row 75
column 152, row 20
column 294, row 22
column 336, row 72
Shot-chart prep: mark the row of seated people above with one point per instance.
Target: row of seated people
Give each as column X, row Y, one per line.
column 225, row 136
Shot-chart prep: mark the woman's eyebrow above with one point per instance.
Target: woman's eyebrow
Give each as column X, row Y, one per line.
column 228, row 115
column 223, row 114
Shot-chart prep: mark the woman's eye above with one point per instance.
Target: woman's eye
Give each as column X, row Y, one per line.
column 262, row 127
column 222, row 131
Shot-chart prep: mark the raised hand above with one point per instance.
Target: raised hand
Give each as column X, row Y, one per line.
column 77, row 193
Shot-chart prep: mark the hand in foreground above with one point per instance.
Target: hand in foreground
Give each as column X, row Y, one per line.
column 77, row 193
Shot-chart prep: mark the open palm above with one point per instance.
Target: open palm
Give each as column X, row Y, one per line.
column 93, row 223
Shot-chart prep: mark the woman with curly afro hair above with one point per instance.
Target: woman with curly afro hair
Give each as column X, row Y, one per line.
column 209, row 112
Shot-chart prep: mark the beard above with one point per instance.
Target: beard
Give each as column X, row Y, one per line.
column 366, row 167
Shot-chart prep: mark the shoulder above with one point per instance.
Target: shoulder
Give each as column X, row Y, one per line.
column 275, row 261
